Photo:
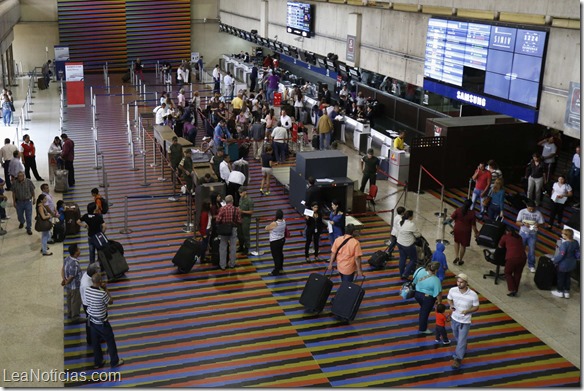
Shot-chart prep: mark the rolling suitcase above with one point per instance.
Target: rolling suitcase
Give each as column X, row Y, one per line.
column 384, row 167
column 491, row 233
column 41, row 83
column 316, row 292
column 315, row 141
column 215, row 242
column 379, row 259
column 61, row 181
column 59, row 232
column 242, row 166
column 72, row 214
column 112, row 261
column 348, row 300
column 545, row 273
column 187, row 255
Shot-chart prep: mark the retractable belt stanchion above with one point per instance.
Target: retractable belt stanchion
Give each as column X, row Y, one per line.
column 144, row 182
column 189, row 226
column 126, row 230
column 257, row 251
column 103, row 176
column 442, row 240
column 96, row 151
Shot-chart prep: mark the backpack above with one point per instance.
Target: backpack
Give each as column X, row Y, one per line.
column 104, row 206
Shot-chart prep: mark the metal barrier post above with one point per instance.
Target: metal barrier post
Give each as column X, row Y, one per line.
column 442, row 240
column 153, row 164
column 103, row 176
column 132, row 154
column 420, row 182
column 108, row 85
column 23, row 116
column 122, row 94
column 405, row 194
column 135, row 112
column 439, row 214
column 126, row 230
column 257, row 251
column 469, row 186
column 95, row 150
column 189, row 226
column 144, row 183
column 161, row 178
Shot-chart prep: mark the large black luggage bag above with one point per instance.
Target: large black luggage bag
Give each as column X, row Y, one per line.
column 41, row 83
column 72, row 214
column 187, row 255
column 491, row 233
column 545, row 273
column 59, row 232
column 379, row 259
column 316, row 292
column 112, row 260
column 348, row 300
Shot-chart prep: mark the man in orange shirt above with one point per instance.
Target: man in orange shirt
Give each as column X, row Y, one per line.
column 346, row 251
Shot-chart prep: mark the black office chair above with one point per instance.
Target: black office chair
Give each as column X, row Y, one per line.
column 497, row 258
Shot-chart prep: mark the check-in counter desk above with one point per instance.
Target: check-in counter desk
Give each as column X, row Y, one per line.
column 163, row 135
column 399, row 165
column 358, row 132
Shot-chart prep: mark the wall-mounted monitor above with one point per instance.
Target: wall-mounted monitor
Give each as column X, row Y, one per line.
column 271, row 44
column 300, row 19
column 320, row 62
column 354, row 73
column 498, row 67
column 278, row 47
column 331, row 65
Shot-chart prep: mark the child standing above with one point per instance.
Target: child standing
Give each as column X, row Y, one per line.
column 438, row 256
column 441, row 325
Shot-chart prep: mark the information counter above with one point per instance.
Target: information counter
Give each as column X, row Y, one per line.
column 399, row 165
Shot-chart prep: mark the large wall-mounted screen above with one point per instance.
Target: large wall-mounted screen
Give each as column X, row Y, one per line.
column 300, row 19
column 498, row 67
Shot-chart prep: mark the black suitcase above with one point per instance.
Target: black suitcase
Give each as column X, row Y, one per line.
column 348, row 300
column 316, row 292
column 187, row 255
column 41, row 83
column 316, row 141
column 490, row 234
column 545, row 274
column 379, row 259
column 384, row 167
column 72, row 214
column 517, row 201
column 112, row 261
column 59, row 232
column 215, row 242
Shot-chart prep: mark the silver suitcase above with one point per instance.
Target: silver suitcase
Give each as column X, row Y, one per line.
column 61, row 181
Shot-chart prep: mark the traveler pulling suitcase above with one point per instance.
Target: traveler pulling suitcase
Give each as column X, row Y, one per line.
column 348, row 300
column 187, row 255
column 491, row 233
column 545, row 273
column 72, row 214
column 316, row 292
column 112, row 260
column 379, row 259
column 242, row 166
column 61, row 181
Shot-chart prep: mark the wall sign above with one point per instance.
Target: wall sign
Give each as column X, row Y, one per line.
column 350, row 52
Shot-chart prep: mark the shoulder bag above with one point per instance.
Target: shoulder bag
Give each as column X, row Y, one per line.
column 408, row 289
column 41, row 225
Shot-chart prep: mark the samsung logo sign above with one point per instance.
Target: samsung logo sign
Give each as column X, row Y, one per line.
column 470, row 98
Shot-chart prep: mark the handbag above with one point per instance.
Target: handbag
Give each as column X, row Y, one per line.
column 408, row 288
column 42, row 225
column 226, row 229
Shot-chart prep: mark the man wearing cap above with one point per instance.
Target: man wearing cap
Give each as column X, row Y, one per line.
column 246, row 210
column 463, row 302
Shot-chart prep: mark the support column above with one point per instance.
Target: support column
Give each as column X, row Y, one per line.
column 353, row 45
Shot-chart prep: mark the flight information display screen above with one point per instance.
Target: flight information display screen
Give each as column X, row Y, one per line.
column 486, row 60
column 299, row 19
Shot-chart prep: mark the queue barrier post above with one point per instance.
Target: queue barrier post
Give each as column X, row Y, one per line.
column 144, row 182
column 257, row 251
column 126, row 230
column 189, row 226
column 442, row 240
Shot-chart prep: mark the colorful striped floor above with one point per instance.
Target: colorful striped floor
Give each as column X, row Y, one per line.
column 243, row 328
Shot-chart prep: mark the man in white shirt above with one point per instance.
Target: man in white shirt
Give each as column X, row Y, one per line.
column 225, row 168
column 285, row 120
column 463, row 303
column 217, row 79
column 228, row 82
column 84, row 284
column 6, row 154
column 529, row 219
column 235, row 180
column 279, row 138
column 548, row 154
column 161, row 113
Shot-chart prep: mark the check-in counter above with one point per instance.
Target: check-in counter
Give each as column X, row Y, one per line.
column 399, row 165
column 359, row 132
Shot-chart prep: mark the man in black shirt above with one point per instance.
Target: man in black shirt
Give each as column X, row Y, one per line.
column 369, row 166
column 94, row 224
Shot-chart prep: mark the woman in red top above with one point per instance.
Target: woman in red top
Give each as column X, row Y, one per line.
column 29, row 154
column 464, row 222
column 515, row 259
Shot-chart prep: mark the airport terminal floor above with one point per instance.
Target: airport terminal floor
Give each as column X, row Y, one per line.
column 242, row 327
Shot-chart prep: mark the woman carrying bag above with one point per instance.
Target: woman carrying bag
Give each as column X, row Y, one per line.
column 566, row 261
column 277, row 230
column 406, row 243
column 428, row 292
column 43, row 224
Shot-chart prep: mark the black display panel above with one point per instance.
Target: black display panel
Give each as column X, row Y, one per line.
column 300, row 19
column 498, row 60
